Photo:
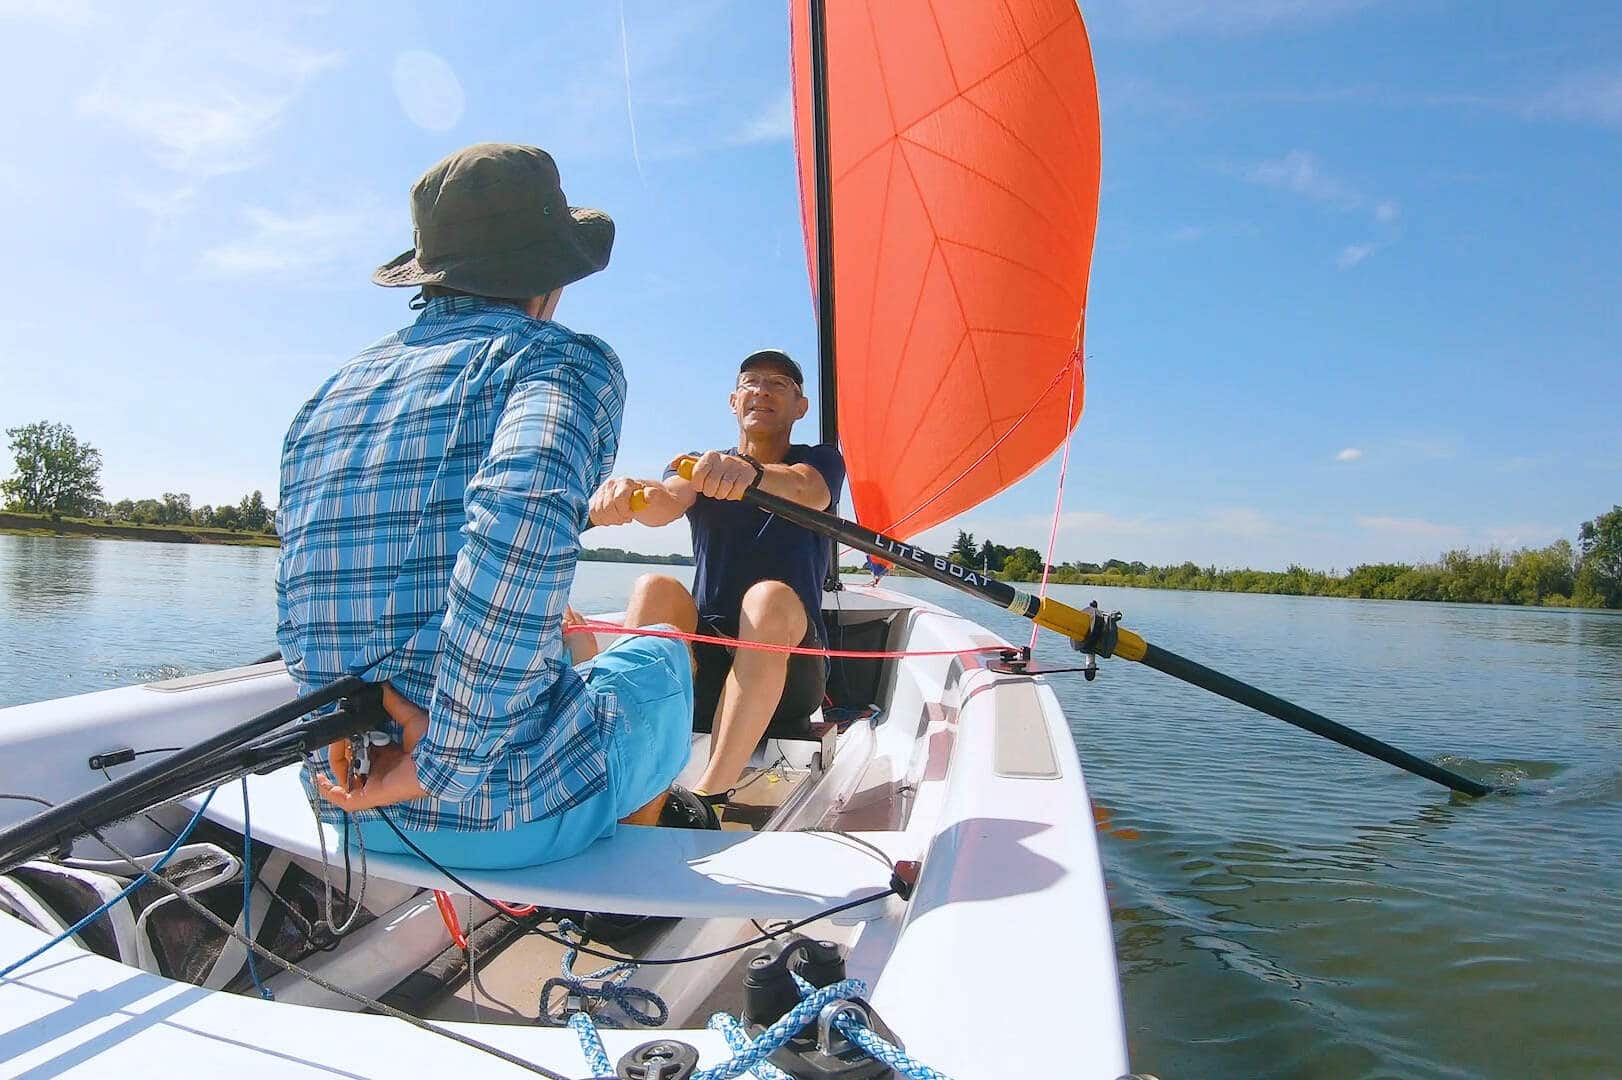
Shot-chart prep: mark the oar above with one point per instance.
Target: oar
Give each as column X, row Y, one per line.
column 1088, row 628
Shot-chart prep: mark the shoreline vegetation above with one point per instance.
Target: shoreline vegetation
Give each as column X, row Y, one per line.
column 15, row 524
column 1587, row 575
column 57, row 475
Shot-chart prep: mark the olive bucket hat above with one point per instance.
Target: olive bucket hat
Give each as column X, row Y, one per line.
column 492, row 220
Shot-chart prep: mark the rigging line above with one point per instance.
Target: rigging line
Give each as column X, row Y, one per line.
column 1073, row 362
column 669, row 961
column 360, row 999
column 593, row 626
column 150, row 874
column 1058, row 499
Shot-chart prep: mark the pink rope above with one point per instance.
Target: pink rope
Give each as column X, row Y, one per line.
column 1058, row 499
column 594, row 626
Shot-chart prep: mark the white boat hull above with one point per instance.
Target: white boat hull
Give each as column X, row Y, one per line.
column 971, row 773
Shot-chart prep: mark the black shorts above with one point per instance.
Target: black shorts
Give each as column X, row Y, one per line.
column 803, row 687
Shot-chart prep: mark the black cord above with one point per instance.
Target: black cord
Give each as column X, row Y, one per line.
column 292, row 968
column 348, row 879
column 660, row 962
column 28, row 798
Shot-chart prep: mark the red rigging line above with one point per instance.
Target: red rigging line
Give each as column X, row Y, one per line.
column 596, row 626
column 962, row 177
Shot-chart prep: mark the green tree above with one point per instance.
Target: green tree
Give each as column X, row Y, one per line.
column 1022, row 564
column 227, row 517
column 991, row 556
column 1542, row 574
column 963, row 550
column 175, row 510
column 253, row 513
column 56, row 473
column 1599, row 576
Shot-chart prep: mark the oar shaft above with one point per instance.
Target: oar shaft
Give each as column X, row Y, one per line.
column 1077, row 624
column 1180, row 667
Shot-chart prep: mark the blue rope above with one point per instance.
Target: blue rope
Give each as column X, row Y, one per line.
column 874, row 1045
column 781, row 1032
column 750, row 1056
column 131, row 887
column 737, row 1038
column 606, row 985
column 591, row 1045
column 247, row 892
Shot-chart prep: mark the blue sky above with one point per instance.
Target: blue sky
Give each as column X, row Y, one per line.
column 1355, row 295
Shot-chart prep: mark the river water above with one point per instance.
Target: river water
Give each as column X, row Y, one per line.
column 1283, row 907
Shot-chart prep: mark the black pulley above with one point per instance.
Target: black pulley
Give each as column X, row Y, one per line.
column 663, row 1059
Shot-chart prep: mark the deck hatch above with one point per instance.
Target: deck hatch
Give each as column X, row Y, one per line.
column 1022, row 749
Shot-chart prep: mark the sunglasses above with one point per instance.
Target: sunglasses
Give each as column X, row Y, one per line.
column 772, row 384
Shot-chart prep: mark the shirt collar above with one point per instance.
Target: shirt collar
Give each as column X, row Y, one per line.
column 440, row 307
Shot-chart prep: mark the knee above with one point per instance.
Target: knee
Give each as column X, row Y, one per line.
column 658, row 586
column 661, row 598
column 773, row 612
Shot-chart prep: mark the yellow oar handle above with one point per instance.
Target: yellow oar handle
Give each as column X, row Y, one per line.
column 1076, row 624
column 684, row 466
column 639, row 500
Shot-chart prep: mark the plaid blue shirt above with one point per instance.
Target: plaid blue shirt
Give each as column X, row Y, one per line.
column 432, row 497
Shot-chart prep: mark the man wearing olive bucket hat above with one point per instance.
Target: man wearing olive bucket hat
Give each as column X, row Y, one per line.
column 433, row 492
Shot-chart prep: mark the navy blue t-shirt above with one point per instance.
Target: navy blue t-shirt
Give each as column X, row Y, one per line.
column 735, row 545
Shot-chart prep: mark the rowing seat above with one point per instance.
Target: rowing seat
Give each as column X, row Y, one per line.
column 644, row 871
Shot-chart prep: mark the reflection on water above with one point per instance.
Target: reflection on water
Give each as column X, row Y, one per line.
column 1283, row 907
column 41, row 575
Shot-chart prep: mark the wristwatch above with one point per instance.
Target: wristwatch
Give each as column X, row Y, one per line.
column 760, row 471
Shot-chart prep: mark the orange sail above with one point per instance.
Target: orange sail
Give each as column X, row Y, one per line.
column 964, row 156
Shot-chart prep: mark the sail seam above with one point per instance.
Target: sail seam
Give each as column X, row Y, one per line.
column 1073, row 361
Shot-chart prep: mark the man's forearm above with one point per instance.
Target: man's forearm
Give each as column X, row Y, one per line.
column 792, row 483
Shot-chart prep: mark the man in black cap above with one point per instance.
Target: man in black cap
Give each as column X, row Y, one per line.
column 433, row 492
column 758, row 578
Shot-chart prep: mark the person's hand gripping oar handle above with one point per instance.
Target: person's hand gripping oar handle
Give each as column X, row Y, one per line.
column 1092, row 631
column 639, row 503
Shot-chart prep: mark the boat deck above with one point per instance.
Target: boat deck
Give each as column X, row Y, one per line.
column 505, row 986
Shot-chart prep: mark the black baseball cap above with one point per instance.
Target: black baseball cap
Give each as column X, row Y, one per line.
column 777, row 357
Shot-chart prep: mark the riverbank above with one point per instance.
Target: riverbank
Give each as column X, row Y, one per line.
column 90, row 529
column 40, row 525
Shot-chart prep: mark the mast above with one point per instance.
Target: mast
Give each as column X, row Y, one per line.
column 827, row 380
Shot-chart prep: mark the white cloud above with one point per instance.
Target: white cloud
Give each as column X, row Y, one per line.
column 1351, row 453
column 203, row 99
column 1230, row 535
column 1150, row 18
column 1352, row 254
column 428, row 90
column 1411, row 528
column 1300, row 173
column 1386, row 212
column 1526, row 534
column 67, row 12
column 773, row 123
column 310, row 244
column 1593, row 97
column 1425, row 540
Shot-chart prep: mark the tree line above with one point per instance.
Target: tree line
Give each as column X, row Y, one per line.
column 59, row 475
column 1588, row 574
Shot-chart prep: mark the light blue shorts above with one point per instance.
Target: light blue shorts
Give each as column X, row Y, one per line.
column 648, row 686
